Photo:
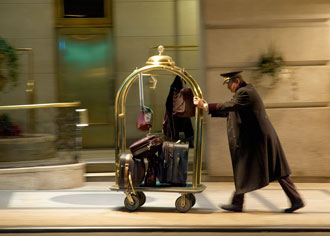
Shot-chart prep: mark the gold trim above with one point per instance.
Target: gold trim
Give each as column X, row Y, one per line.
column 36, row 106
column 179, row 46
column 160, row 59
column 297, row 105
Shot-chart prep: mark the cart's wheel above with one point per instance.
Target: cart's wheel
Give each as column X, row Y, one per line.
column 135, row 205
column 192, row 198
column 142, row 197
column 183, row 207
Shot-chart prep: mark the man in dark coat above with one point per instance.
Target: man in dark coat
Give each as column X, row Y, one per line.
column 256, row 152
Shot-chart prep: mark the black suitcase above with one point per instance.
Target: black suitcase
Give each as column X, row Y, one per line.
column 173, row 163
column 130, row 166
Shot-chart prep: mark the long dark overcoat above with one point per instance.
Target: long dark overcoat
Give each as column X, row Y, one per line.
column 256, row 152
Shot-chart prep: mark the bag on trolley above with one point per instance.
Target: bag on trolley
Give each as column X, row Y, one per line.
column 144, row 121
column 183, row 105
column 151, row 175
column 131, row 171
column 146, row 146
column 173, row 163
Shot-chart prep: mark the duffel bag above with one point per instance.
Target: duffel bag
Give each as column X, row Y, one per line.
column 146, row 146
column 183, row 103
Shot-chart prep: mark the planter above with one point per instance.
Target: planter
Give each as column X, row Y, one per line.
column 43, row 177
column 28, row 147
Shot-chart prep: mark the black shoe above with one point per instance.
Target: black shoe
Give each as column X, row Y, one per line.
column 295, row 207
column 231, row 207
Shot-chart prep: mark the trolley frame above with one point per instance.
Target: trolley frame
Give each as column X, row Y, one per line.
column 135, row 194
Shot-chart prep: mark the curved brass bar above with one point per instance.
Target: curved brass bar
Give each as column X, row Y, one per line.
column 120, row 114
column 200, row 151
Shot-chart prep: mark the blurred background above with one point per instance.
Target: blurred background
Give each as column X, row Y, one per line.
column 75, row 54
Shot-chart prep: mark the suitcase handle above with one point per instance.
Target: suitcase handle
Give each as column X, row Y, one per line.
column 131, row 183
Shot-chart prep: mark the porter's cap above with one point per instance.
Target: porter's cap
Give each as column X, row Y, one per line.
column 230, row 75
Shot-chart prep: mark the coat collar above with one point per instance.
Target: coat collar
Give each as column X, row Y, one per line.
column 243, row 84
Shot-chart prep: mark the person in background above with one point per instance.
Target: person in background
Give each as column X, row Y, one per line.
column 256, row 152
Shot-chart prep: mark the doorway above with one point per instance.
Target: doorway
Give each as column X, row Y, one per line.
column 85, row 74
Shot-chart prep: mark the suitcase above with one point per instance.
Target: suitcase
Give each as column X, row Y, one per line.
column 173, row 164
column 146, row 146
column 130, row 166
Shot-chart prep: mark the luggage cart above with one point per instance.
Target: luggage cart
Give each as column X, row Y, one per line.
column 135, row 196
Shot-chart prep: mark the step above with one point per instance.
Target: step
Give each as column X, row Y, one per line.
column 100, row 177
column 100, row 167
column 98, row 161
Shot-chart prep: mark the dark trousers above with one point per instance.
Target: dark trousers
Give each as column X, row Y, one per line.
column 286, row 184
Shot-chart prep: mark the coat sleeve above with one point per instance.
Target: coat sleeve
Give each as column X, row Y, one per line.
column 213, row 110
column 240, row 100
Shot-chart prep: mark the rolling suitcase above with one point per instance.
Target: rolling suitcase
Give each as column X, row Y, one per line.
column 173, row 163
column 129, row 166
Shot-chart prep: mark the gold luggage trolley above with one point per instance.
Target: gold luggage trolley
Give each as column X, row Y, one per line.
column 134, row 195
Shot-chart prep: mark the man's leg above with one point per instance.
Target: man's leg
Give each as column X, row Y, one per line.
column 238, row 199
column 236, row 204
column 292, row 193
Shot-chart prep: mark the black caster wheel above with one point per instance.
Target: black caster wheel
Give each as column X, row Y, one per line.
column 183, row 207
column 192, row 198
column 134, row 205
column 142, row 197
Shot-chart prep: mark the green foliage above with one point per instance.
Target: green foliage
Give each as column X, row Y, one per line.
column 11, row 63
column 270, row 63
column 7, row 127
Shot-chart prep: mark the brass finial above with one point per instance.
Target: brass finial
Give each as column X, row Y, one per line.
column 160, row 59
column 160, row 49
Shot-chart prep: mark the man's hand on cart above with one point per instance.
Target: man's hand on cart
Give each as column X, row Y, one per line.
column 201, row 103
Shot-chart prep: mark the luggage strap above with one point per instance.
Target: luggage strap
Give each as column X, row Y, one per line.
column 144, row 149
column 169, row 154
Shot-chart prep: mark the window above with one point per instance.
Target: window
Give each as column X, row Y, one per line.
column 83, row 13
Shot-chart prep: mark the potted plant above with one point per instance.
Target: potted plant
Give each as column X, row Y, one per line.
column 270, row 66
column 8, row 128
column 270, row 63
column 8, row 65
column 16, row 146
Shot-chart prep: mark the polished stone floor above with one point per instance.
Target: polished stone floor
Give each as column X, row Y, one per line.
column 94, row 205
